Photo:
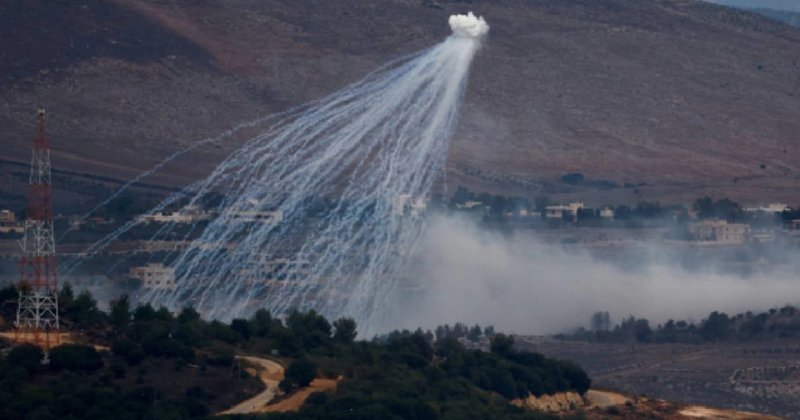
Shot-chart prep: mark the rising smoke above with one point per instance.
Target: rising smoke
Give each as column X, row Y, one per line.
column 520, row 284
column 331, row 173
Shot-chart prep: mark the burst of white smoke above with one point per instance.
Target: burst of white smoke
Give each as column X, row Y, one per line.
column 522, row 285
column 468, row 26
column 330, row 175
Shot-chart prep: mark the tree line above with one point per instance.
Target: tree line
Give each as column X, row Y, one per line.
column 717, row 327
column 402, row 374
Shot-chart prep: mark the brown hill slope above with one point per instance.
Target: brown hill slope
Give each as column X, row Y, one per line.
column 688, row 97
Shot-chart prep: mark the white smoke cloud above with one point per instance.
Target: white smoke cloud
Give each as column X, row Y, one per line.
column 523, row 286
column 468, row 26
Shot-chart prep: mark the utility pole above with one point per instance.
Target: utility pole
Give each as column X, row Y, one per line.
column 37, row 313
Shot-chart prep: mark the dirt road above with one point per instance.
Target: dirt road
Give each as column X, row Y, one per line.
column 296, row 400
column 271, row 373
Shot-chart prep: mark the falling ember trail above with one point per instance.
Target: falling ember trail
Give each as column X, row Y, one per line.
column 313, row 210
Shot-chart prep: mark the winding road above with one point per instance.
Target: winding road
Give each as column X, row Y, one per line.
column 271, row 374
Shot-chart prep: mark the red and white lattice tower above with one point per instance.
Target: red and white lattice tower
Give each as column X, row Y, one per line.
column 37, row 313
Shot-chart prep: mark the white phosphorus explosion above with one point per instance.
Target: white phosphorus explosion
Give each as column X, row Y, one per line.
column 311, row 212
column 468, row 25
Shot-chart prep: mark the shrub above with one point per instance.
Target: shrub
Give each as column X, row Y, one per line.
column 76, row 357
column 301, row 372
column 27, row 356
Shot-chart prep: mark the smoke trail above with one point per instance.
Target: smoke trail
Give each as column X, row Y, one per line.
column 315, row 209
column 211, row 140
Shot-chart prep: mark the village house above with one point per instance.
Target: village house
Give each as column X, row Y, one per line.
column 469, row 205
column 190, row 214
column 769, row 208
column 265, row 268
column 9, row 223
column 607, row 213
column 406, row 205
column 154, row 276
column 558, row 212
column 720, row 231
column 522, row 213
column 762, row 236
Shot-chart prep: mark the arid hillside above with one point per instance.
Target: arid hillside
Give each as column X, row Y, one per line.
column 680, row 97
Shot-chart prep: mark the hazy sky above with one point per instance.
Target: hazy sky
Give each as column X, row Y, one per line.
column 793, row 5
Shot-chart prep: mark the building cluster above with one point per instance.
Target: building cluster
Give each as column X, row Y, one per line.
column 250, row 213
column 261, row 268
column 266, row 268
column 769, row 208
column 75, row 222
column 719, row 231
column 187, row 215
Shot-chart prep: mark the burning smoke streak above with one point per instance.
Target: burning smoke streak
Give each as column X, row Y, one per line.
column 356, row 151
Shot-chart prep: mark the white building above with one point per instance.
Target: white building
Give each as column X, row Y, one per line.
column 406, row 205
column 7, row 216
column 253, row 212
column 762, row 236
column 769, row 208
column 190, row 214
column 469, row 205
column 720, row 231
column 263, row 216
column 9, row 223
column 154, row 276
column 558, row 212
column 265, row 268
column 607, row 213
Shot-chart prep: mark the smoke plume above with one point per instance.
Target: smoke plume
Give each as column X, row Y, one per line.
column 469, row 25
column 522, row 285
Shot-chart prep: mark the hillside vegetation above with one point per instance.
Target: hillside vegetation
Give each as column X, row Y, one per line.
column 181, row 366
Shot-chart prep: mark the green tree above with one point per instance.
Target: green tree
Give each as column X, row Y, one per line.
column 642, row 330
column 474, row 333
column 502, row 344
column 83, row 310
column 75, row 357
column 310, row 328
column 299, row 374
column 262, row 323
column 243, row 327
column 717, row 327
column 27, row 356
column 9, row 294
column 344, row 330
column 120, row 313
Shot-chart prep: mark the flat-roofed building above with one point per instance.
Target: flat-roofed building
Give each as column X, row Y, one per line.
column 406, row 205
column 720, row 231
column 559, row 211
column 189, row 214
column 154, row 276
column 9, row 223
